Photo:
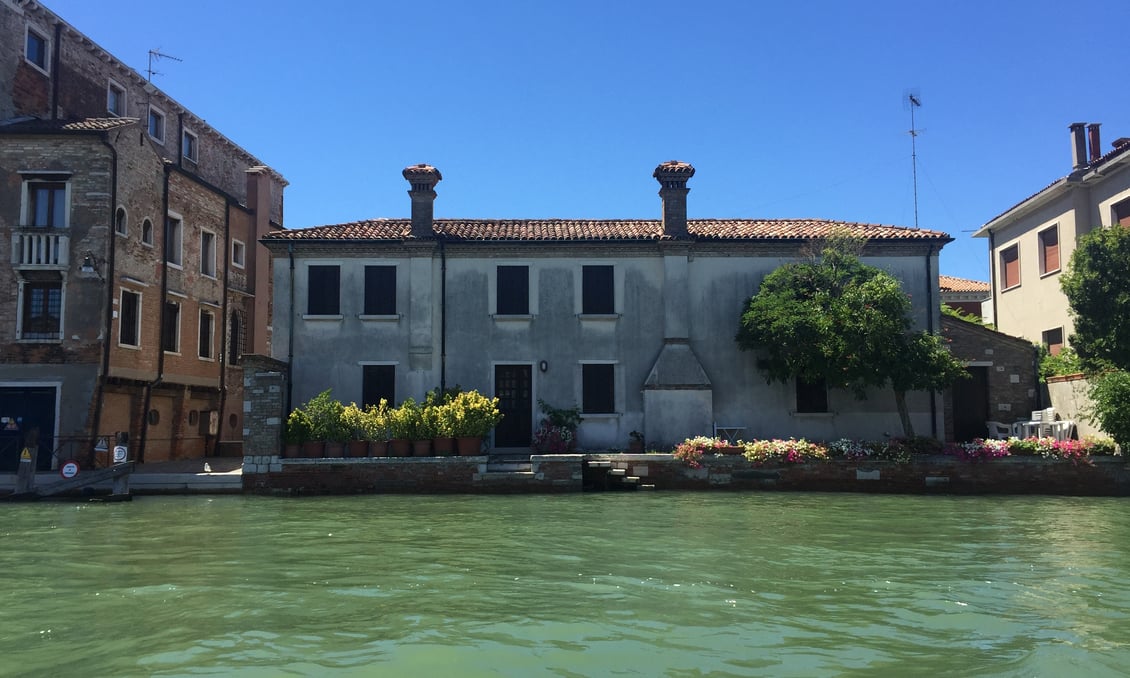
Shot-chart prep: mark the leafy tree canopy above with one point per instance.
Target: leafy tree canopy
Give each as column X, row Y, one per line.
column 1097, row 285
column 837, row 319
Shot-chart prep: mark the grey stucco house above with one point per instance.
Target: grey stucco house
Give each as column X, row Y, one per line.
column 632, row 320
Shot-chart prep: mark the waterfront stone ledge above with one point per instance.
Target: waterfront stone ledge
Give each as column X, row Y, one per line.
column 1103, row 476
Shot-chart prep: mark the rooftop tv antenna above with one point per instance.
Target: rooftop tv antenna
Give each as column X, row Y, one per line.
column 157, row 54
column 913, row 100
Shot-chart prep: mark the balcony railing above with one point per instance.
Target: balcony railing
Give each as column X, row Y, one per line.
column 40, row 248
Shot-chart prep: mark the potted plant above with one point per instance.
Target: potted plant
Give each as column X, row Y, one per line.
column 401, row 427
column 635, row 444
column 421, row 436
column 475, row 416
column 375, row 428
column 297, row 433
column 557, row 432
column 440, row 411
column 353, row 419
column 325, row 415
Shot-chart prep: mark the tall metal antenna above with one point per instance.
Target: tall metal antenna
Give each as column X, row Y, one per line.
column 157, row 54
column 914, row 101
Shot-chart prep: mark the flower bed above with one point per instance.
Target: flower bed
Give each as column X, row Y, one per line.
column 1074, row 451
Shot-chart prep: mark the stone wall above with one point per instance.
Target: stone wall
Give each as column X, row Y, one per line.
column 264, row 407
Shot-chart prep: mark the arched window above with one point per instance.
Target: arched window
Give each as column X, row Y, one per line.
column 147, row 232
column 235, row 338
column 120, row 222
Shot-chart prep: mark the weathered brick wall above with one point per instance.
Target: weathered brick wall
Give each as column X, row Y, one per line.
column 1011, row 369
column 264, row 403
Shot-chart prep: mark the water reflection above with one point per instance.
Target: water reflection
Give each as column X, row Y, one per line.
column 646, row 584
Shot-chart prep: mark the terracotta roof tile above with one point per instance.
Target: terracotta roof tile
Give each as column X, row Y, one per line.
column 948, row 283
column 542, row 230
column 33, row 126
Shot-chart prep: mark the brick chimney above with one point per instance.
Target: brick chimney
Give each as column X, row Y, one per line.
column 1093, row 141
column 672, row 177
column 423, row 179
column 1078, row 145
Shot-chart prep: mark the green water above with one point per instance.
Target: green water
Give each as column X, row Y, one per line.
column 644, row 584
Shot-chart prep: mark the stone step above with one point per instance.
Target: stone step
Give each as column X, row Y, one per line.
column 647, row 487
column 598, row 464
column 507, row 475
column 631, row 480
column 509, row 467
column 619, row 472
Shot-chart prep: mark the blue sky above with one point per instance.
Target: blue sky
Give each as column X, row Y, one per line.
column 563, row 109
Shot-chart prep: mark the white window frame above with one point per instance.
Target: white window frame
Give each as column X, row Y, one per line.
column 114, row 86
column 579, row 290
column 149, row 123
column 20, row 314
column 211, row 357
column 46, row 67
column 238, row 253
column 179, row 263
column 184, row 148
column 45, row 178
column 204, row 258
column 137, row 328
column 532, row 273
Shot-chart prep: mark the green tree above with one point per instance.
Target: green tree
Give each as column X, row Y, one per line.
column 836, row 319
column 1097, row 285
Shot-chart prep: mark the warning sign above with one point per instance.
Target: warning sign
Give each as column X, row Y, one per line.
column 102, row 445
column 69, row 470
column 25, row 455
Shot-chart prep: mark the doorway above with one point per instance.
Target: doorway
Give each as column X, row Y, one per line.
column 23, row 408
column 513, row 386
column 971, row 404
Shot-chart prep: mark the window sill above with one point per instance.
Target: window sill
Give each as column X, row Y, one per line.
column 175, row 264
column 1049, row 273
column 176, row 353
column 600, row 415
column 129, row 347
column 56, row 340
column 1009, row 289
column 508, row 317
column 813, row 415
column 390, row 318
column 314, row 317
column 599, row 316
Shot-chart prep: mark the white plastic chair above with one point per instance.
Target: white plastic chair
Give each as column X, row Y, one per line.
column 998, row 430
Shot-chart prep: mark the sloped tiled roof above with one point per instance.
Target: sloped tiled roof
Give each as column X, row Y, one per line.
column 36, row 126
column 603, row 229
column 948, row 283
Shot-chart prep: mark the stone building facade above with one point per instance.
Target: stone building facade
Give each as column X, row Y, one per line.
column 132, row 278
column 632, row 321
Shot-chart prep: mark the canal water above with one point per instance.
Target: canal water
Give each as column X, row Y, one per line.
column 644, row 584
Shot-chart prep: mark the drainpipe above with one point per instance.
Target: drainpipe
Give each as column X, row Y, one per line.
column 107, row 326
column 290, row 333
column 931, row 276
column 993, row 277
column 180, row 141
column 442, row 314
column 55, row 52
column 224, row 326
column 148, row 400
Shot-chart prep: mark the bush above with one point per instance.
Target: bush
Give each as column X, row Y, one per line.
column 1110, row 395
column 406, row 422
column 791, row 451
column 326, row 418
column 474, row 414
column 557, row 432
column 1066, row 362
column 298, row 428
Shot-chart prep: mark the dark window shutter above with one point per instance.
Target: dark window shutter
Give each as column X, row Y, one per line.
column 597, row 294
column 323, row 291
column 811, row 396
column 513, row 290
column 598, row 392
column 380, row 290
column 377, row 382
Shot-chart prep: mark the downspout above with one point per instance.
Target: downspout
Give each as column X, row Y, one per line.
column 224, row 344
column 931, row 278
column 107, row 327
column 442, row 315
column 290, row 333
column 56, row 50
column 180, row 141
column 993, row 276
column 161, row 321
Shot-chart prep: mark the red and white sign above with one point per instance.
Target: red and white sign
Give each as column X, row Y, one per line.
column 69, row 470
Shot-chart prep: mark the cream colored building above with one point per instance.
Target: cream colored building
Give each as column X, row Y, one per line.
column 1031, row 243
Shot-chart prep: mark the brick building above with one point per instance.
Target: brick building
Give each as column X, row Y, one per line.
column 134, row 279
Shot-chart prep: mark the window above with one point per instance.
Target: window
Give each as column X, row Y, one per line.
column 115, row 99
column 173, row 230
column 147, row 233
column 597, row 295
column 157, row 124
column 1049, row 250
column 1122, row 213
column 598, row 388
column 811, row 396
column 188, row 145
column 380, row 290
column 1053, row 339
column 238, row 254
column 208, row 253
column 513, row 294
column 46, row 204
column 207, row 328
column 42, row 310
column 120, row 226
column 129, row 319
column 323, row 293
column 235, row 338
column 170, row 330
column 1010, row 267
column 378, row 382
column 36, row 49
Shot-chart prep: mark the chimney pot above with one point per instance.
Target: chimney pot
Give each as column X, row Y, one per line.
column 1078, row 145
column 1093, row 140
column 672, row 177
column 423, row 179
column 1120, row 142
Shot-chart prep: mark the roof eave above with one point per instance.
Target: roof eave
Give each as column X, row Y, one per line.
column 1025, row 207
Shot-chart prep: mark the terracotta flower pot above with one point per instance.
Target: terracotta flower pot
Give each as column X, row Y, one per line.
column 358, row 448
column 335, row 449
column 378, row 448
column 443, row 447
column 399, row 447
column 291, row 450
column 469, row 446
column 313, row 448
column 421, row 448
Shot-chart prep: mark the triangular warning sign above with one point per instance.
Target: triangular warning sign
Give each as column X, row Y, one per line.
column 25, row 455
